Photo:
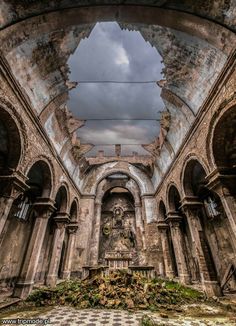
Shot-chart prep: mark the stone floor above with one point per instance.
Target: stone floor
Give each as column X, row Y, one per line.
column 68, row 316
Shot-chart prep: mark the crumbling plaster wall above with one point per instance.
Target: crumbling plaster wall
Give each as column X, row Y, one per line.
column 42, row 58
column 90, row 181
column 139, row 184
column 223, row 12
column 43, row 74
column 42, row 45
column 189, row 77
column 36, row 145
column 199, row 146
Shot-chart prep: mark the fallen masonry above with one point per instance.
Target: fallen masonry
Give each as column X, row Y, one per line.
column 118, row 290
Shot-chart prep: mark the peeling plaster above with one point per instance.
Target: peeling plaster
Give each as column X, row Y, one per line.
column 150, row 209
column 68, row 163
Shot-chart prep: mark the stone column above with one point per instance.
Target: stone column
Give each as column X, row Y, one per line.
column 43, row 209
column 139, row 227
column 163, row 228
column 71, row 229
column 95, row 235
column 218, row 184
column 87, row 220
column 174, row 220
column 12, row 187
column 58, row 237
column 192, row 207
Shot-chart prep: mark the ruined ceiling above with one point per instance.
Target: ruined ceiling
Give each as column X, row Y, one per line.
column 195, row 40
column 112, row 67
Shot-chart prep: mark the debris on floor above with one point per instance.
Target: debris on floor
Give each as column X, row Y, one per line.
column 118, row 290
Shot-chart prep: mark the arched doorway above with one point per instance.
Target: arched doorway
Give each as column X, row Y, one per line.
column 19, row 225
column 118, row 242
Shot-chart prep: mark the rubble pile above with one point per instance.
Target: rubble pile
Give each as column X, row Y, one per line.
column 118, row 290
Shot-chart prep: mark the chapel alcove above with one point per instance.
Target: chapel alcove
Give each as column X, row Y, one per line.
column 118, row 243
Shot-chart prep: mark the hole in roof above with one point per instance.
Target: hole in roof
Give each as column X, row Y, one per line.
column 126, row 112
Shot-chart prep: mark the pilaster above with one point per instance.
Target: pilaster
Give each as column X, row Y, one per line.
column 192, row 207
column 163, row 228
column 43, row 208
column 71, row 229
column 174, row 220
column 58, row 237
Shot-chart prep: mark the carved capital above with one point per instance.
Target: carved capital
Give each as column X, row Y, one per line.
column 174, row 219
column 43, row 207
column 72, row 228
column 61, row 219
column 162, row 225
column 218, row 182
column 191, row 203
column 13, row 185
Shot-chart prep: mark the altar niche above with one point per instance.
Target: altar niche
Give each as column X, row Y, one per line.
column 118, row 243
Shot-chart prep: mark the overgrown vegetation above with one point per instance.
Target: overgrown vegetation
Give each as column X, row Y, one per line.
column 118, row 290
column 148, row 321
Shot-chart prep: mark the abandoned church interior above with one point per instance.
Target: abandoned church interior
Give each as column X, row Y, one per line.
column 146, row 183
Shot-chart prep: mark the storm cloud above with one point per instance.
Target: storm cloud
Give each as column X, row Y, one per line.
column 111, row 53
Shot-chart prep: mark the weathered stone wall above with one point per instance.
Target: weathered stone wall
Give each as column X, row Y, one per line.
column 198, row 146
column 25, row 95
column 194, row 51
column 35, row 146
column 198, row 142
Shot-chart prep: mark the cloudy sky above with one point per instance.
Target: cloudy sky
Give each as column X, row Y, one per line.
column 114, row 54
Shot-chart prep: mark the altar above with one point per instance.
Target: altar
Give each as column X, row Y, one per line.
column 118, row 259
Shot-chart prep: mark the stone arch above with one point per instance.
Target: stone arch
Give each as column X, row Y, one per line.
column 162, row 210
column 11, row 144
column 127, row 190
column 132, row 188
column 193, row 177
column 40, row 178
column 74, row 209
column 62, row 198
column 173, row 198
column 135, row 174
column 224, row 141
column 222, row 110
